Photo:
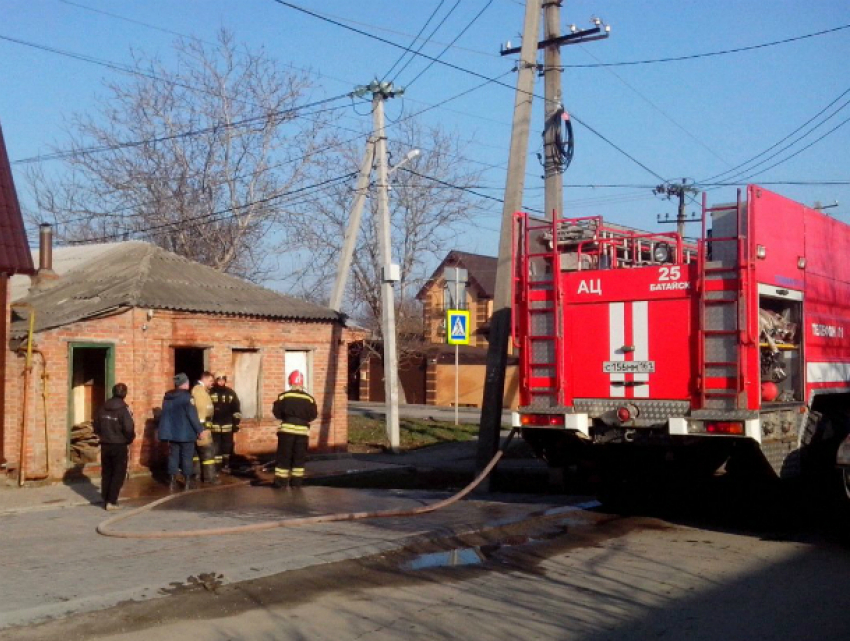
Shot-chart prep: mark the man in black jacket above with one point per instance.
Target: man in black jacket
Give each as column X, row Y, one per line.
column 114, row 426
column 295, row 409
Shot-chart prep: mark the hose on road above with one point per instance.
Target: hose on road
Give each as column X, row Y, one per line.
column 105, row 528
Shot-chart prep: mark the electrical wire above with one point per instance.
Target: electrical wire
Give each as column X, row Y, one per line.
column 564, row 141
column 415, row 39
column 427, row 40
column 84, row 151
column 214, row 215
column 121, row 68
column 796, row 153
column 782, row 140
column 471, row 72
column 709, row 54
column 448, row 46
column 469, row 190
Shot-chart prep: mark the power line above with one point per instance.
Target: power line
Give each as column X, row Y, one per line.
column 83, row 151
column 463, row 70
column 462, row 188
column 427, row 40
column 120, row 67
column 796, row 153
column 709, row 54
column 415, row 39
column 456, row 38
column 214, row 214
column 115, row 212
column 779, row 142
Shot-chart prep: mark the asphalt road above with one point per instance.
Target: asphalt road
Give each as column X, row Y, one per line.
column 716, row 566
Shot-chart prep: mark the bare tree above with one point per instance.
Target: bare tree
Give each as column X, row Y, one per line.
column 429, row 206
column 196, row 157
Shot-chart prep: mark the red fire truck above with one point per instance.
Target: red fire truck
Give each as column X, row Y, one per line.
column 639, row 350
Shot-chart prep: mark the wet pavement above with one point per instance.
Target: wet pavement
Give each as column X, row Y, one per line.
column 55, row 564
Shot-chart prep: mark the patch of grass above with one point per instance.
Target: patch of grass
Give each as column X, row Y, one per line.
column 371, row 433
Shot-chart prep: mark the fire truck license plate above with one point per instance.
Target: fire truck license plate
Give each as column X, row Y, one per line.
column 628, row 367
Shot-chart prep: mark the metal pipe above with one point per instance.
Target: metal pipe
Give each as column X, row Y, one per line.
column 45, row 247
column 22, row 466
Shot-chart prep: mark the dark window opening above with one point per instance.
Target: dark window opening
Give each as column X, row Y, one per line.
column 192, row 361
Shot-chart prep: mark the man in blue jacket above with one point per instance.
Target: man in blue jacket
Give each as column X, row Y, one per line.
column 180, row 427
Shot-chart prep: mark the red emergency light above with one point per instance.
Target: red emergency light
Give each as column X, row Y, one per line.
column 724, row 427
column 542, row 420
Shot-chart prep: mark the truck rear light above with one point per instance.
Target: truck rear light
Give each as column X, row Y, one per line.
column 724, row 427
column 541, row 420
column 626, row 413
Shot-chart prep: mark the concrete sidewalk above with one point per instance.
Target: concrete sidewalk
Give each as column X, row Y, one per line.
column 55, row 564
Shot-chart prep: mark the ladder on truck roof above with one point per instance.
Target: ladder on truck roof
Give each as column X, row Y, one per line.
column 537, row 301
column 721, row 320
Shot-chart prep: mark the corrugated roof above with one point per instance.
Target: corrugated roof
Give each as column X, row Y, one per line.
column 64, row 260
column 138, row 274
column 482, row 271
column 14, row 251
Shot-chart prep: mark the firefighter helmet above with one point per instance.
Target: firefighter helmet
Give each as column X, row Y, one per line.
column 296, row 379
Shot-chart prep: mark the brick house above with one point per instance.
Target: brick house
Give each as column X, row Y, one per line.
column 135, row 313
column 14, row 259
column 429, row 373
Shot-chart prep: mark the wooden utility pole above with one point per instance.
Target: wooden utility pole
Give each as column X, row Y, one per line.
column 554, row 185
column 500, row 322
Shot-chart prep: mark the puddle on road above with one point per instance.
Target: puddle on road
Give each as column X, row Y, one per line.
column 480, row 554
column 450, row 559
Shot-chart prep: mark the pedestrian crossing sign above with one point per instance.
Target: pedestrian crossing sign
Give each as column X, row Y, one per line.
column 457, row 327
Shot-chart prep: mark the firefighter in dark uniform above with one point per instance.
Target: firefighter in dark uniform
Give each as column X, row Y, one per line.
column 225, row 421
column 295, row 409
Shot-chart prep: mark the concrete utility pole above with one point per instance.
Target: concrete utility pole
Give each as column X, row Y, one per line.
column 554, row 184
column 353, row 228
column 389, row 272
column 500, row 323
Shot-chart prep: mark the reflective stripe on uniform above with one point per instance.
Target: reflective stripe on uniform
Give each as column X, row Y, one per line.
column 209, row 462
column 218, row 459
column 306, row 397
column 298, row 471
column 281, row 472
column 291, row 428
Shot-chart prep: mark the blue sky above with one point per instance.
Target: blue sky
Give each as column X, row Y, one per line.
column 681, row 119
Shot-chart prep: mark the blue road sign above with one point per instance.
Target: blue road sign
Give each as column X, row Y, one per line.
column 457, row 327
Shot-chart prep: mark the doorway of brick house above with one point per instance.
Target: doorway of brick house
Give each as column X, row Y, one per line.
column 92, row 368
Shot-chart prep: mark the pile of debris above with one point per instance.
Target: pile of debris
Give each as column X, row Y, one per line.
column 84, row 443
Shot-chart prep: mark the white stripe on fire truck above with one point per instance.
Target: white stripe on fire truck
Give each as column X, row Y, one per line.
column 640, row 339
column 828, row 373
column 616, row 339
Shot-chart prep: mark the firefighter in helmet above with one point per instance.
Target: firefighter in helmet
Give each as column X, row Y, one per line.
column 225, row 421
column 295, row 409
column 204, row 460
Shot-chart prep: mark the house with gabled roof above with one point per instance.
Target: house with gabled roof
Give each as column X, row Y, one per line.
column 15, row 258
column 132, row 312
column 428, row 372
